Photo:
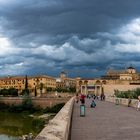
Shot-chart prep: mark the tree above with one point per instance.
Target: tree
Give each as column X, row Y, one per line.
column 26, row 82
column 49, row 89
column 35, row 91
column 41, row 87
column 26, row 86
column 27, row 103
column 4, row 92
column 26, row 90
column 133, row 94
column 13, row 92
column 9, row 92
column 72, row 89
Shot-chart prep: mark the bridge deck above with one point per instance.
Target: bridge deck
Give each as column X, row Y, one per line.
column 106, row 122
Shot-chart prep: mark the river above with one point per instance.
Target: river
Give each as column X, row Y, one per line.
column 13, row 125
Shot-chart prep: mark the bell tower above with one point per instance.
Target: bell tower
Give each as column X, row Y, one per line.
column 63, row 75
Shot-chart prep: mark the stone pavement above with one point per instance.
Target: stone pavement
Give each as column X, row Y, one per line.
column 106, row 122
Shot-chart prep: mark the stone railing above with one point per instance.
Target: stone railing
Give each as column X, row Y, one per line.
column 123, row 101
column 59, row 127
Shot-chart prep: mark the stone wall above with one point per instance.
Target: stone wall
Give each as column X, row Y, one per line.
column 122, row 101
column 109, row 89
column 59, row 127
column 57, row 94
column 42, row 102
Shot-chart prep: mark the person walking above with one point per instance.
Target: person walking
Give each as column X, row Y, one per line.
column 94, row 96
column 138, row 106
column 129, row 101
column 77, row 98
column 93, row 104
column 82, row 99
column 102, row 97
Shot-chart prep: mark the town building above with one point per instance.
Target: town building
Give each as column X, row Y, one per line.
column 128, row 74
column 39, row 83
column 88, row 86
column 65, row 82
column 122, row 80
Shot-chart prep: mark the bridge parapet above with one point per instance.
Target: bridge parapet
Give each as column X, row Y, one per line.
column 123, row 101
column 59, row 127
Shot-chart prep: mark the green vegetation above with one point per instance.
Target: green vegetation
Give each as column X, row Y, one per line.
column 27, row 102
column 50, row 89
column 28, row 107
column 63, row 90
column 133, row 94
column 38, row 124
column 54, row 109
column 9, row 92
column 14, row 124
column 41, row 87
column 26, row 90
column 70, row 90
column 35, row 91
column 18, row 120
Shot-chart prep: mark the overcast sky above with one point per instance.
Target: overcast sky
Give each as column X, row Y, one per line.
column 83, row 37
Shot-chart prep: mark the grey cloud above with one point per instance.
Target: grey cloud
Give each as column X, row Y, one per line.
column 67, row 17
column 76, row 34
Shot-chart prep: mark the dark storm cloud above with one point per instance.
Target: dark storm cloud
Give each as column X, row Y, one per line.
column 64, row 34
column 68, row 17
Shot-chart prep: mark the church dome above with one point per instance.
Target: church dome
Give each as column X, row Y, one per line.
column 130, row 67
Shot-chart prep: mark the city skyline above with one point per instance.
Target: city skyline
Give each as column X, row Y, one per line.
column 84, row 38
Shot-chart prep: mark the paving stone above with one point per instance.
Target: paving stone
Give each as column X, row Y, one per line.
column 105, row 122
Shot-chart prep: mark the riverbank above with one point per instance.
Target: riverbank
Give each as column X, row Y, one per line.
column 13, row 124
column 20, row 121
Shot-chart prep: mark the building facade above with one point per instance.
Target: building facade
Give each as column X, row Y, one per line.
column 121, row 80
column 65, row 82
column 39, row 83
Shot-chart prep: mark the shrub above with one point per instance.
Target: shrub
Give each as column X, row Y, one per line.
column 38, row 123
column 27, row 103
column 54, row 109
column 9, row 92
column 133, row 94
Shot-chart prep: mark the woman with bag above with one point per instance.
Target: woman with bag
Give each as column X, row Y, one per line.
column 93, row 104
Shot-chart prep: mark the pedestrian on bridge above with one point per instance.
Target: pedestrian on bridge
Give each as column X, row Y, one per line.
column 77, row 98
column 82, row 99
column 93, row 104
column 138, row 107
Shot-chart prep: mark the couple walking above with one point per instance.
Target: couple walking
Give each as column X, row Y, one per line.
column 81, row 98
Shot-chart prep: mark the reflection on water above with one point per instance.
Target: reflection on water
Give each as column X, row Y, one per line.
column 15, row 124
column 5, row 137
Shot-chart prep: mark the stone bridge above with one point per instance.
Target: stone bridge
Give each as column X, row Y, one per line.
column 107, row 121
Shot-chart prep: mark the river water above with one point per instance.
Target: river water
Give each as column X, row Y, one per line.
column 5, row 137
column 14, row 125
